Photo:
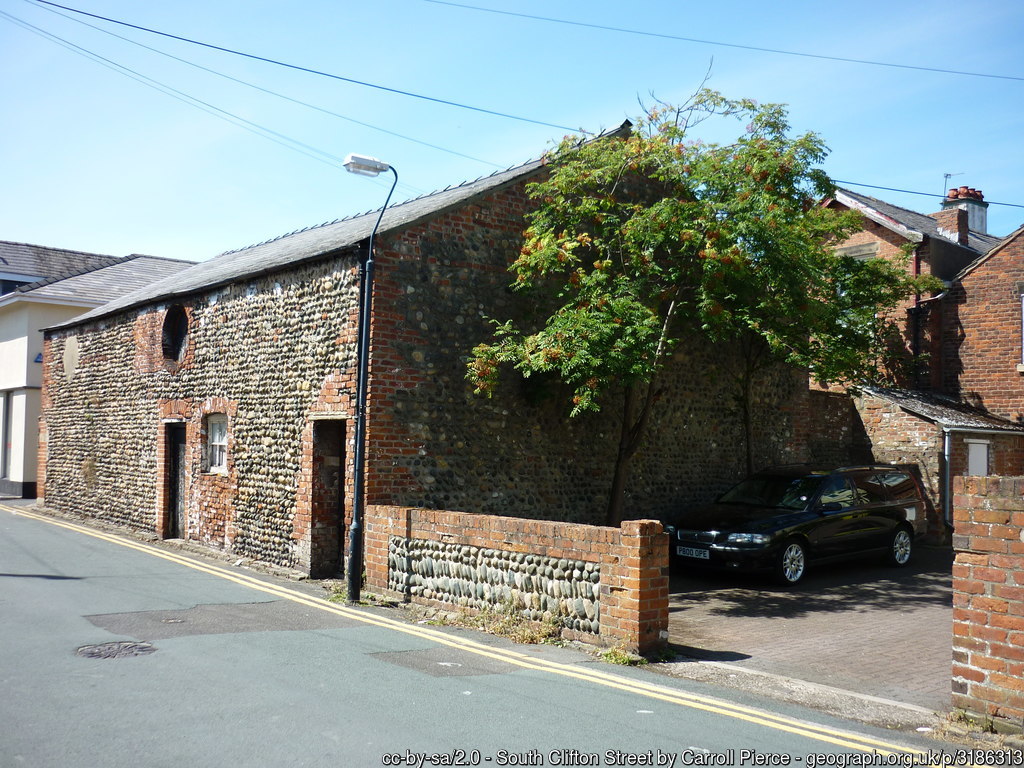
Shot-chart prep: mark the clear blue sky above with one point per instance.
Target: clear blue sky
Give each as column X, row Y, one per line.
column 92, row 160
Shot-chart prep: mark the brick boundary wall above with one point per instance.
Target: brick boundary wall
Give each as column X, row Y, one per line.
column 632, row 561
column 988, row 599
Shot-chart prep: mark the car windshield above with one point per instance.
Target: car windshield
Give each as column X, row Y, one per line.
column 774, row 491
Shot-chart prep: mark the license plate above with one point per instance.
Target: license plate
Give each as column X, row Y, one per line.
column 700, row 554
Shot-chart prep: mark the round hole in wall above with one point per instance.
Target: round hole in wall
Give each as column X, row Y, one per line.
column 175, row 332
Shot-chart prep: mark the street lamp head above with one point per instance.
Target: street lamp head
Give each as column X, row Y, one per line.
column 365, row 166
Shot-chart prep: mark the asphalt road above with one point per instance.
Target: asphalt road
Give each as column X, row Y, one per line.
column 225, row 667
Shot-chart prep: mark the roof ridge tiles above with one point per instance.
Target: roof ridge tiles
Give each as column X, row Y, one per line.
column 113, row 260
column 131, row 256
column 60, row 250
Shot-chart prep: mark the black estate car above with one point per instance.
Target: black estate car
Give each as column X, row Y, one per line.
column 782, row 518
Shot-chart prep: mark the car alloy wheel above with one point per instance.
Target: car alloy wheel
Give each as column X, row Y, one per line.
column 792, row 562
column 902, row 544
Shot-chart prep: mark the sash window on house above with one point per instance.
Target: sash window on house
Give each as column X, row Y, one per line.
column 217, row 443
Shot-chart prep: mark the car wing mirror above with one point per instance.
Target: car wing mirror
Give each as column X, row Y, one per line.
column 830, row 506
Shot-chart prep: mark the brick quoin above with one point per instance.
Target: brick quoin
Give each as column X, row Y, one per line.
column 988, row 590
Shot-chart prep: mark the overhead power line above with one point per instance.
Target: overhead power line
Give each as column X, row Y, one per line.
column 317, row 72
column 911, row 192
column 271, row 92
column 665, row 36
column 321, row 155
column 241, row 122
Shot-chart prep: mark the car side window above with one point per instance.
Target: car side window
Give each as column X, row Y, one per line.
column 899, row 484
column 870, row 489
column 837, row 490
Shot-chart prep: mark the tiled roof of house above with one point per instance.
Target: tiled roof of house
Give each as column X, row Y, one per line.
column 918, row 223
column 42, row 262
column 307, row 244
column 99, row 286
column 945, row 411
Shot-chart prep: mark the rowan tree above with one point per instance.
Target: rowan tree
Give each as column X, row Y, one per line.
column 639, row 240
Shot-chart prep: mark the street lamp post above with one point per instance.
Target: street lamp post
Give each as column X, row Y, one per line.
column 364, row 166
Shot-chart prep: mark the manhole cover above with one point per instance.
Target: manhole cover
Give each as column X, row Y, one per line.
column 119, row 650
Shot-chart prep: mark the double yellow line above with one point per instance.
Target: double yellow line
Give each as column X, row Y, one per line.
column 595, row 676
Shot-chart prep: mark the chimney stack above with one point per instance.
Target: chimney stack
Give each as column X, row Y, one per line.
column 970, row 200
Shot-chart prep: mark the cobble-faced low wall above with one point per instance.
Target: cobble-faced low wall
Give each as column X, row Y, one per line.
column 988, row 598
column 604, row 585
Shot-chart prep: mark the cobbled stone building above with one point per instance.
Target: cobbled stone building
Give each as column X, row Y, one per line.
column 218, row 405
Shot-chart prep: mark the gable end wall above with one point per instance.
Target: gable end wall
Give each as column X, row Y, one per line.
column 267, row 352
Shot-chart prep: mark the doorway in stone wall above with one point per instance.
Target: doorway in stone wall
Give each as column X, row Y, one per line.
column 327, row 520
column 175, row 514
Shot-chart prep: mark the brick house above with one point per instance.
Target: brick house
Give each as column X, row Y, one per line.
column 961, row 410
column 941, row 244
column 218, row 405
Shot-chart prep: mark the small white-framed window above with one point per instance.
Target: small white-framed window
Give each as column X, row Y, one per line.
column 217, row 443
column 978, row 457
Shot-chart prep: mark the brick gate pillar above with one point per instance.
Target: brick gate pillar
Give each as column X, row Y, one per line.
column 635, row 590
column 988, row 598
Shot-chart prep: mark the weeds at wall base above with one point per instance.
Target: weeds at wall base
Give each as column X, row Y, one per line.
column 337, row 592
column 621, row 657
column 980, row 731
column 504, row 620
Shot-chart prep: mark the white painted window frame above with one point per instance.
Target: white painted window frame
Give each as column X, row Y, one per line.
column 971, row 442
column 217, row 443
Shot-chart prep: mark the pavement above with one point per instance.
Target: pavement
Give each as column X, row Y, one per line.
column 857, row 636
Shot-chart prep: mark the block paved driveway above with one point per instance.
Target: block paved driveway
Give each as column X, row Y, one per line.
column 865, row 628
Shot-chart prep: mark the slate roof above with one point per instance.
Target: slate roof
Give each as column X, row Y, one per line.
column 1019, row 232
column 306, row 245
column 42, row 262
column 99, row 286
column 918, row 223
column 945, row 411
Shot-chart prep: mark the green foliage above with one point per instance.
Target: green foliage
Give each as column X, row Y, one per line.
column 506, row 620
column 622, row 657
column 645, row 238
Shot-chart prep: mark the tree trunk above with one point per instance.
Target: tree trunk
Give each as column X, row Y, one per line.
column 748, row 428
column 753, row 359
column 633, row 427
column 617, row 501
